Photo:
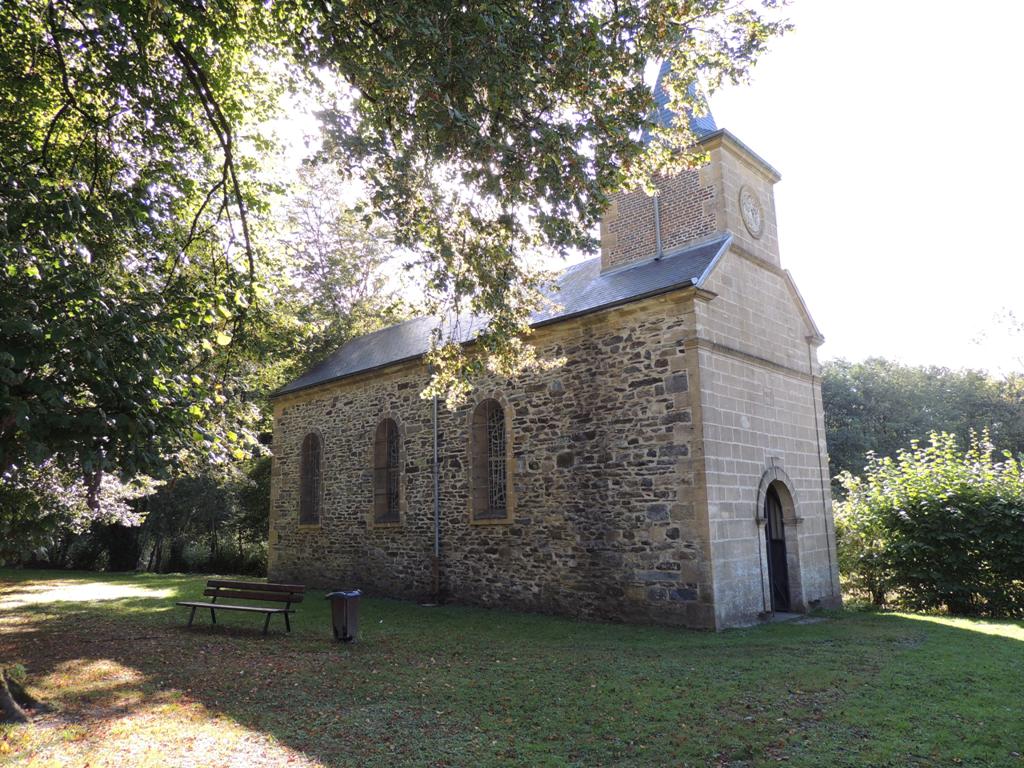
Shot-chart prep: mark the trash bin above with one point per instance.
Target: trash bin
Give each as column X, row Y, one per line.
column 345, row 614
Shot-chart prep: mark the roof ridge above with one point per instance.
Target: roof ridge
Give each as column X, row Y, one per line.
column 590, row 291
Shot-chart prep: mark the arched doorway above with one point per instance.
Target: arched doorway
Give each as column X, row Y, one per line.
column 775, row 540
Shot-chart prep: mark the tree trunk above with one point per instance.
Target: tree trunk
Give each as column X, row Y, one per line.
column 7, row 425
column 12, row 711
column 59, row 558
column 176, row 557
column 93, row 482
column 23, row 697
column 123, row 551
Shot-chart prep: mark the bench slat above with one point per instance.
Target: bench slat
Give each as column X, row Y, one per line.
column 228, row 607
column 245, row 594
column 258, row 585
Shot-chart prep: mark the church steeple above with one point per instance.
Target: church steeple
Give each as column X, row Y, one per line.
column 732, row 193
column 700, row 124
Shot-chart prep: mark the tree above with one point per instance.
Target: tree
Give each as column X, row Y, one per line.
column 213, row 521
column 879, row 406
column 937, row 527
column 334, row 263
column 14, row 698
column 485, row 131
column 132, row 238
column 253, row 520
column 43, row 505
column 126, row 252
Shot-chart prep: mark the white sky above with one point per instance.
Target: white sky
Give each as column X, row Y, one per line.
column 898, row 127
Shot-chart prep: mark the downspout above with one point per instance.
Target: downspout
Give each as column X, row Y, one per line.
column 821, row 472
column 436, row 560
column 659, row 252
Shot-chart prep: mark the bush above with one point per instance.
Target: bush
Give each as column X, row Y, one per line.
column 37, row 504
column 935, row 528
column 45, row 518
column 214, row 521
column 249, row 560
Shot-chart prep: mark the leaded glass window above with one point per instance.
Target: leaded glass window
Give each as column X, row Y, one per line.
column 496, row 504
column 490, row 462
column 309, row 479
column 387, row 473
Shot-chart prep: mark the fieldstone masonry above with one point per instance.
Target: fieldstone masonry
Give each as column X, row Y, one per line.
column 603, row 522
column 638, row 468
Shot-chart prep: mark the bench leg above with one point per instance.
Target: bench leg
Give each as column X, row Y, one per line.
column 266, row 623
column 287, row 624
column 192, row 616
column 213, row 615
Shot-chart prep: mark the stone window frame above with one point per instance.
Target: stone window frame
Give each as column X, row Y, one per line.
column 776, row 476
column 473, row 451
column 312, row 523
column 371, row 515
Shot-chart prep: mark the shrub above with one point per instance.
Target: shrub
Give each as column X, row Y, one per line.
column 44, row 512
column 37, row 504
column 249, row 560
column 937, row 527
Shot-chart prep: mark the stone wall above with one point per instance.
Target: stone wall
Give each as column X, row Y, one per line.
column 604, row 523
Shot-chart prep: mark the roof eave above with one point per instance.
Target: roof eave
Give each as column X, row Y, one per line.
column 688, row 283
column 285, row 391
column 714, row 262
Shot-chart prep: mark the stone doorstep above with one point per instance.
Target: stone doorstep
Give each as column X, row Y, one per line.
column 780, row 616
column 797, row 618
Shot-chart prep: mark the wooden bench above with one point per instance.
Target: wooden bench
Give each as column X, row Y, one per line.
column 248, row 590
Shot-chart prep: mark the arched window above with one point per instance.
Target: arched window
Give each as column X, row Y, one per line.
column 309, row 480
column 386, row 473
column 489, row 462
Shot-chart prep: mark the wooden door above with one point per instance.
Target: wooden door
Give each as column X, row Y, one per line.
column 775, row 537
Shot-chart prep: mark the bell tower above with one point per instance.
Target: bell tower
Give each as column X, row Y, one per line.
column 732, row 193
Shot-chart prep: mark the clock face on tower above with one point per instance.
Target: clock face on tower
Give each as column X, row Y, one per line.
column 751, row 212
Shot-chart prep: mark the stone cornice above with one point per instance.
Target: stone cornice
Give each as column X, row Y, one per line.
column 741, row 251
column 695, row 343
column 727, row 139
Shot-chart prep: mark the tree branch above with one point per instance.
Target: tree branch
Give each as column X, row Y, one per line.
column 222, row 128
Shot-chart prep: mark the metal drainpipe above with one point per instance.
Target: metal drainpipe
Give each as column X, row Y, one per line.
column 436, row 564
column 821, row 469
column 657, row 228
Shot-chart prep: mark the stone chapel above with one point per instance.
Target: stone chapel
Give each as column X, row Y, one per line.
column 673, row 470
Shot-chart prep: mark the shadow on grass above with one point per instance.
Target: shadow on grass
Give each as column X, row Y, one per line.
column 457, row 686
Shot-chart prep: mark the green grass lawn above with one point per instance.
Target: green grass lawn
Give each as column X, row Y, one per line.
column 457, row 686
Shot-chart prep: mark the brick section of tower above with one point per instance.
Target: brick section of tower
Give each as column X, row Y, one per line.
column 687, row 214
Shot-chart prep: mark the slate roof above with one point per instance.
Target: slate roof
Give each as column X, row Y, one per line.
column 702, row 125
column 580, row 290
